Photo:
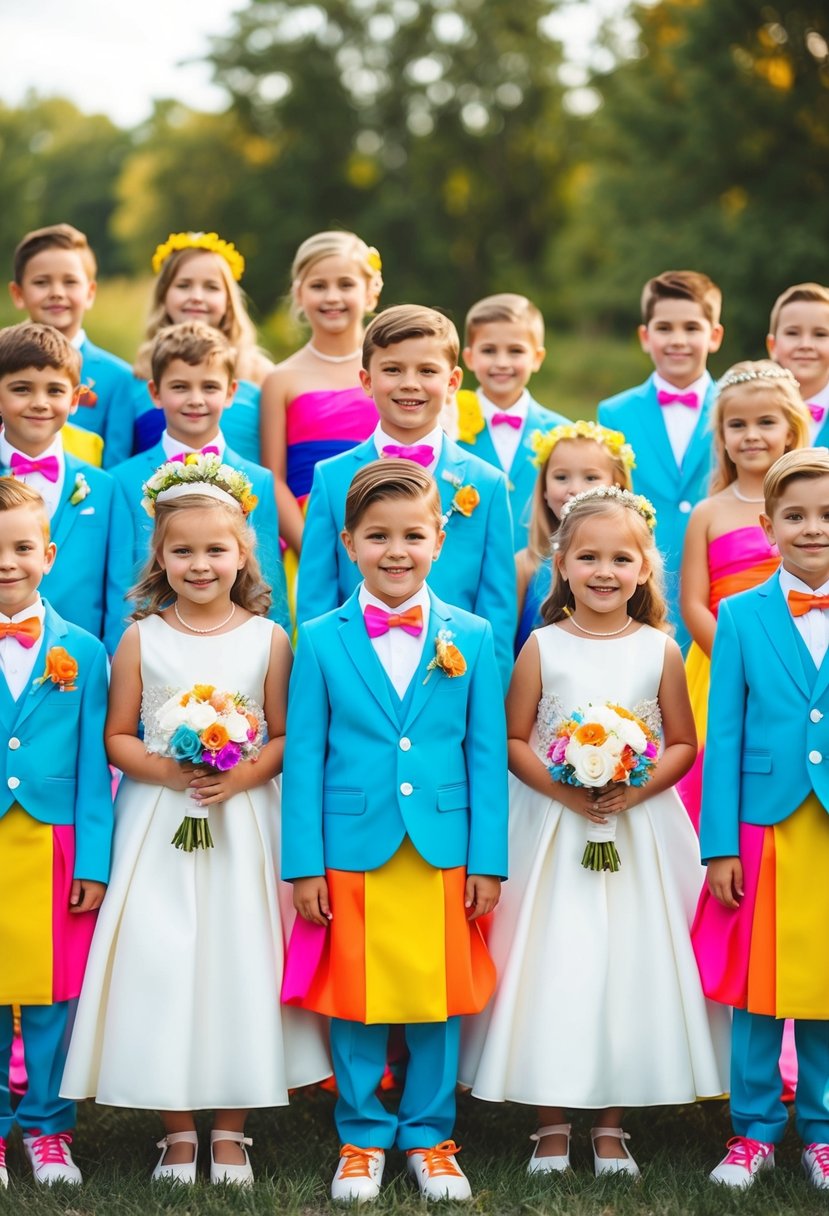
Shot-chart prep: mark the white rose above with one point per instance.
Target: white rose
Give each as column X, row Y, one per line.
column 200, row 715
column 236, row 725
column 171, row 714
column 614, row 746
column 603, row 715
column 592, row 765
column 632, row 734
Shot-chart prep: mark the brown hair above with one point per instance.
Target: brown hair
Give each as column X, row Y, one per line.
column 509, row 307
column 784, row 393
column 806, row 464
column 383, row 480
column 56, row 236
column 335, row 244
column 193, row 342
column 807, row 292
column 153, row 592
column 647, row 603
column 682, row 285
column 405, row 321
column 543, row 523
column 15, row 494
column 30, row 344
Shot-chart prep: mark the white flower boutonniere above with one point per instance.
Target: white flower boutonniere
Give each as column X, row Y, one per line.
column 80, row 491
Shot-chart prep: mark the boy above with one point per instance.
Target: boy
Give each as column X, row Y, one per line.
column 55, row 828
column 504, row 345
column 665, row 420
column 54, row 282
column 395, row 828
column 798, row 339
column 39, row 379
column 410, row 357
column 760, row 938
column 192, row 383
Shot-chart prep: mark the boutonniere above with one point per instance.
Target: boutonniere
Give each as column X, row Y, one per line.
column 471, row 420
column 448, row 658
column 86, row 395
column 465, row 501
column 80, row 490
column 61, row 669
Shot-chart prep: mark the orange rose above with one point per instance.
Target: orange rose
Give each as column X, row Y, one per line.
column 221, row 701
column 61, row 668
column 248, row 503
column 590, row 732
column 215, row 737
column 620, row 773
column 451, row 660
column 466, row 500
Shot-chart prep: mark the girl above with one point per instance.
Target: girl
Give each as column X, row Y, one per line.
column 160, row 1022
column 757, row 416
column 599, row 1002
column 572, row 457
column 198, row 280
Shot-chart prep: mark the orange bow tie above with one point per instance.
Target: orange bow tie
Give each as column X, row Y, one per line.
column 800, row 603
column 378, row 621
column 25, row 632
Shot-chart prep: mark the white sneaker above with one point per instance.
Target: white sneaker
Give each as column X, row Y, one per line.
column 613, row 1165
column 236, row 1175
column 359, row 1174
column 437, row 1173
column 51, row 1159
column 550, row 1165
column 4, row 1173
column 815, row 1162
column 185, row 1173
column 743, row 1162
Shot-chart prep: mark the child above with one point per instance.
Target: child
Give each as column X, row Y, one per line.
column 666, row 418
column 757, row 416
column 54, row 282
column 504, row 345
column 180, row 1006
column 570, row 458
column 764, row 829
column 55, row 828
column 39, row 378
column 395, row 823
column 599, row 1003
column 313, row 405
column 410, row 368
column 798, row 339
column 198, row 280
column 192, row 386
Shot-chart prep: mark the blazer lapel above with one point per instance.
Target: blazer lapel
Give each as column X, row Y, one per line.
column 450, row 472
column 698, row 452
column 645, row 430
column 66, row 516
column 360, row 651
column 780, row 628
column 54, row 629
column 426, row 682
column 8, row 705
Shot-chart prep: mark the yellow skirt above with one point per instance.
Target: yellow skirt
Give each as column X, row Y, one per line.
column 26, row 865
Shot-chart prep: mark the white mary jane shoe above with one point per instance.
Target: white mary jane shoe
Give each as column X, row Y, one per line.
column 550, row 1165
column 613, row 1165
column 185, row 1173
column 235, row 1175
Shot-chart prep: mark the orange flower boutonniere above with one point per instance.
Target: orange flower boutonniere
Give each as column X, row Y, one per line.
column 465, row 501
column 61, row 669
column 448, row 658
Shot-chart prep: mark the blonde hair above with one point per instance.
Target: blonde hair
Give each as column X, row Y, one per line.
column 509, row 307
column 762, row 376
column 382, row 480
column 647, row 604
column 15, row 494
column 335, row 244
column 153, row 592
column 811, row 293
column 404, row 321
column 806, row 464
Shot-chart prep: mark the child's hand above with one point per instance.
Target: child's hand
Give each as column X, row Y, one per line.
column 311, row 900
column 208, row 785
column 725, row 880
column 178, row 776
column 86, row 895
column 482, row 894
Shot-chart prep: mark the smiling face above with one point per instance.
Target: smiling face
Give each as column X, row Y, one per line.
column 25, row 556
column 410, row 382
column 198, row 291
column 604, row 565
column 55, row 289
column 679, row 338
column 801, row 343
column 334, row 295
column 576, row 465
column 394, row 545
column 755, row 431
column 201, row 556
column 193, row 398
column 34, row 404
column 799, row 526
column 502, row 356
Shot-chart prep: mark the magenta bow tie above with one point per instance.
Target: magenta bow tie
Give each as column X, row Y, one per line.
column 378, row 621
column 691, row 400
column 818, row 412
column 210, row 450
column 512, row 420
column 420, row 453
column 48, row 467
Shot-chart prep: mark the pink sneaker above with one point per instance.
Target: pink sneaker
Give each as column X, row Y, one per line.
column 4, row 1173
column 743, row 1162
column 51, row 1159
column 815, row 1161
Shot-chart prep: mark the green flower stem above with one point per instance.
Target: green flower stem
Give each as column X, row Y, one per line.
column 193, row 833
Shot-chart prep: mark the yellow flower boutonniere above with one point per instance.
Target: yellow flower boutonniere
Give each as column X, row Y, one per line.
column 470, row 416
column 448, row 658
column 61, row 669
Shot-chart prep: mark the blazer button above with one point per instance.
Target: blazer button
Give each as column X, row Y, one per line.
column 14, row 743
column 814, row 714
column 685, row 507
column 13, row 783
column 406, row 788
column 814, row 758
column 405, row 744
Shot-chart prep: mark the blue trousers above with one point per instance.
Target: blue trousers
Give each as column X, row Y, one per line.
column 426, row 1115
column 756, row 1107
column 45, row 1044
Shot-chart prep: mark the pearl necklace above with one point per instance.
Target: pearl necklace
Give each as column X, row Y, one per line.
column 743, row 497
column 593, row 634
column 212, row 628
column 333, row 358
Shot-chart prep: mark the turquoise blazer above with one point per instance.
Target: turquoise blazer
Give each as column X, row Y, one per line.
column 674, row 492
column 768, row 720
column 112, row 382
column 54, row 761
column 240, row 421
column 130, row 477
column 476, row 569
column 523, row 473
column 362, row 773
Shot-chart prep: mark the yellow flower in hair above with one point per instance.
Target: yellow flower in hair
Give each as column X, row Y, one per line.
column 211, row 242
column 543, row 442
column 373, row 259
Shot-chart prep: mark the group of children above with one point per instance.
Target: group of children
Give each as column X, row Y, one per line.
column 345, row 820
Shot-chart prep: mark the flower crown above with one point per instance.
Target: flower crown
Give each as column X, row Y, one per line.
column 210, row 241
column 543, row 442
column 625, row 498
column 775, row 372
column 198, row 474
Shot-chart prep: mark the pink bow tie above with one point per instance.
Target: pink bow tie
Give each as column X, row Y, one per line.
column 378, row 621
column 210, row 450
column 420, row 453
column 512, row 420
column 691, row 400
column 48, row 467
column 818, row 412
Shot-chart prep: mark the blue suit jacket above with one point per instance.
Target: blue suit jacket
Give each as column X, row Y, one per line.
column 130, row 477
column 523, row 472
column 768, row 720
column 674, row 492
column 54, row 761
column 357, row 779
column 113, row 383
column 476, row 569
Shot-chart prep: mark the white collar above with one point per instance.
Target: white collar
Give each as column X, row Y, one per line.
column 420, row 597
column 699, row 386
column 55, row 448
column 519, row 410
column 790, row 582
column 79, row 339
column 172, row 447
column 38, row 609
column 434, row 439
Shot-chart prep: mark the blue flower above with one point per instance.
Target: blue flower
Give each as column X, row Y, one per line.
column 185, row 744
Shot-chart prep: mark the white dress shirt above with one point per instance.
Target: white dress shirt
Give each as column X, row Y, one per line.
column 79, row 339
column 434, row 439
column 16, row 662
column 398, row 651
column 172, row 447
column 49, row 491
column 813, row 626
column 505, row 438
column 681, row 421
column 821, row 398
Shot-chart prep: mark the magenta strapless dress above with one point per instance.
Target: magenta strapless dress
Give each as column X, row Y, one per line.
column 323, row 424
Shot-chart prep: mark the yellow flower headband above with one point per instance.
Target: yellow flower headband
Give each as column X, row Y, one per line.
column 211, row 242
column 543, row 442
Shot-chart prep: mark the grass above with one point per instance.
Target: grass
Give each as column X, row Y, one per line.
column 295, row 1152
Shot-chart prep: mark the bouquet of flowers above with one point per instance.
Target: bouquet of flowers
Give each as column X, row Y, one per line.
column 203, row 725
column 595, row 747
